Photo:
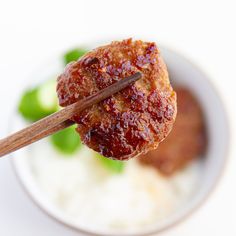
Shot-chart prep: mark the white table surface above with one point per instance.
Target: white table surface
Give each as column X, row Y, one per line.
column 32, row 31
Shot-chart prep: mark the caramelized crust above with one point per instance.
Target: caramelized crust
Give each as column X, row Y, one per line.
column 186, row 141
column 132, row 121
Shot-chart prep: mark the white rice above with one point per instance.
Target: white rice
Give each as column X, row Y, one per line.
column 93, row 198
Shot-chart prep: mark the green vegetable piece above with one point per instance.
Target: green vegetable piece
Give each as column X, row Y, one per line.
column 74, row 55
column 112, row 165
column 39, row 102
column 66, row 141
column 47, row 96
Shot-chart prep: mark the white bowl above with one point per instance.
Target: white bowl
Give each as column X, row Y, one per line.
column 182, row 72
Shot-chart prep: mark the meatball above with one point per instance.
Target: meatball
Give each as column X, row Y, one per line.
column 186, row 141
column 136, row 119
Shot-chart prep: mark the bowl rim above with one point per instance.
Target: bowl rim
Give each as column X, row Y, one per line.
column 197, row 204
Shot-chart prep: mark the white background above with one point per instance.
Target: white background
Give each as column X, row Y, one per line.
column 32, row 31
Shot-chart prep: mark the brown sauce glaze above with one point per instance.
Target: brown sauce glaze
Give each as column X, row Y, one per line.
column 132, row 121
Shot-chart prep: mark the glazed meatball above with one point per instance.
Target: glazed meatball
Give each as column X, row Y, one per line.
column 136, row 119
column 186, row 141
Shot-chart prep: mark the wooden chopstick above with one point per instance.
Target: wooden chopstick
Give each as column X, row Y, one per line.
column 61, row 119
column 41, row 135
